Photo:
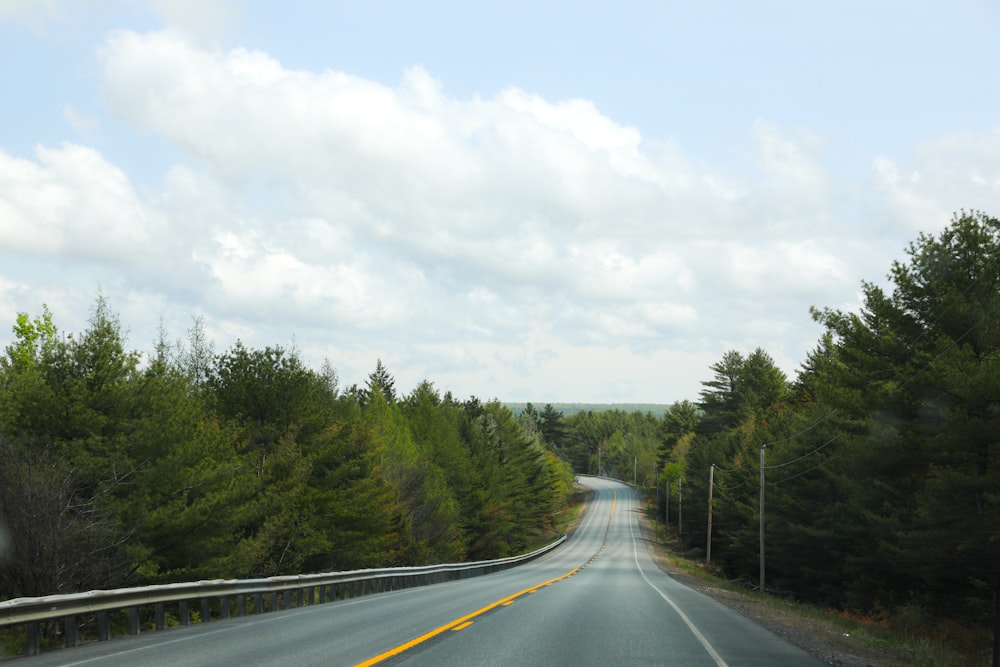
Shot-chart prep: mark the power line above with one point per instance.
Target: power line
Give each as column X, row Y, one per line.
column 799, row 474
column 804, row 456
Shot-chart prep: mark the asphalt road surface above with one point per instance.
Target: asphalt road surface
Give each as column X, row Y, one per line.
column 597, row 600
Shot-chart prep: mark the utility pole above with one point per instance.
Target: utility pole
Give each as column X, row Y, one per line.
column 666, row 511
column 656, row 515
column 708, row 542
column 761, row 519
column 680, row 505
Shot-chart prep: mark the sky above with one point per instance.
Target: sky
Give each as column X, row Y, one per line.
column 530, row 201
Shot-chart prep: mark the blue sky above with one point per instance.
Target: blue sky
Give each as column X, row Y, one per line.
column 545, row 201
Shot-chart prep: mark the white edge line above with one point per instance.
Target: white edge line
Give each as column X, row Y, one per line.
column 687, row 621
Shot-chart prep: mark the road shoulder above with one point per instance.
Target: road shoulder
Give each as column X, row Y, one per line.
column 817, row 637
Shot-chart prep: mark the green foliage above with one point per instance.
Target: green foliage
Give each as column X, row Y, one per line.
column 882, row 458
column 381, row 382
column 244, row 464
column 624, row 445
column 552, row 428
column 33, row 337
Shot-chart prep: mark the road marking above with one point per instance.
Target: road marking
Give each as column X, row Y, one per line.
column 687, row 621
column 459, row 623
column 466, row 621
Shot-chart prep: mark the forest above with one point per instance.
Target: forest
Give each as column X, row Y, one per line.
column 877, row 466
column 120, row 470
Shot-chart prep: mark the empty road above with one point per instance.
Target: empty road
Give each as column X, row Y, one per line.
column 597, row 600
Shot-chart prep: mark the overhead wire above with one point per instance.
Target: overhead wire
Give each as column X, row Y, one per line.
column 924, row 332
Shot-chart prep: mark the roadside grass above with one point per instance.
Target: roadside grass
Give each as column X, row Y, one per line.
column 570, row 516
column 905, row 636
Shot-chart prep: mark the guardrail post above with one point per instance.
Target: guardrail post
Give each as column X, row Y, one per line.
column 224, row 606
column 274, row 601
column 258, row 603
column 161, row 616
column 299, row 596
column 206, row 610
column 183, row 612
column 69, row 636
column 103, row 626
column 242, row 604
column 133, row 620
column 31, row 638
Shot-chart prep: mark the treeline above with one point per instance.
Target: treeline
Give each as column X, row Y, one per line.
column 570, row 409
column 189, row 464
column 881, row 459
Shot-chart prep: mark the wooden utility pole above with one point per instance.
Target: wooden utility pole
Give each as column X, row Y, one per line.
column 680, row 505
column 708, row 542
column 656, row 514
column 761, row 519
column 666, row 511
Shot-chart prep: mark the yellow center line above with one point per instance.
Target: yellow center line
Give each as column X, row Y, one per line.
column 466, row 621
column 458, row 623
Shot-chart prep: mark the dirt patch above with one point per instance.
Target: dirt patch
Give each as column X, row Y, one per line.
column 820, row 638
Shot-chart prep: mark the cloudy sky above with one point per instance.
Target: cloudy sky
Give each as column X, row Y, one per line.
column 544, row 201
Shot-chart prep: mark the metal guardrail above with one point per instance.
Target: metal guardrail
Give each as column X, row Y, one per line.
column 224, row 597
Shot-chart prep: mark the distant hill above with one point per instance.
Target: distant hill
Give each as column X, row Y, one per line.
column 567, row 409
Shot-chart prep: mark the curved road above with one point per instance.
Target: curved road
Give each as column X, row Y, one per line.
column 597, row 600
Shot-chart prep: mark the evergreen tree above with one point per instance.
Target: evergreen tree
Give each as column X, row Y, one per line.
column 552, row 426
column 380, row 380
column 918, row 369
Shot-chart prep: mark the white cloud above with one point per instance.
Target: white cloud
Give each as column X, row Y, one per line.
column 950, row 173
column 205, row 21
column 72, row 202
column 536, row 243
